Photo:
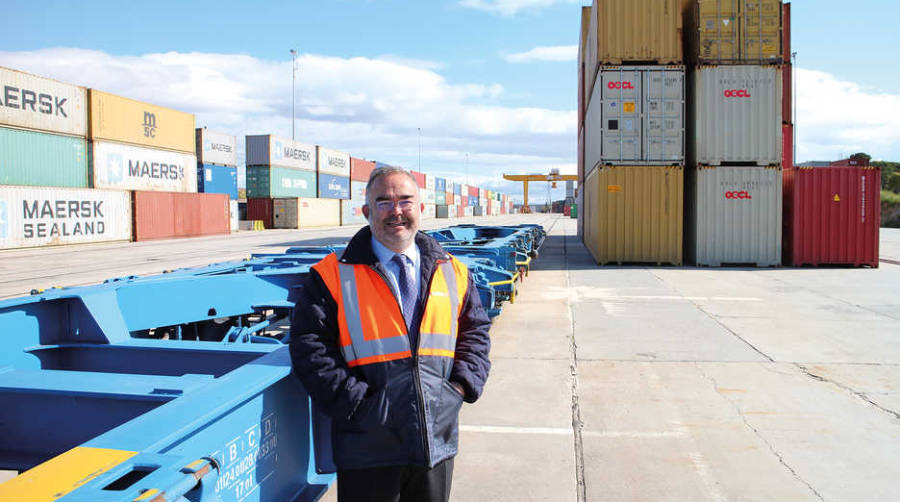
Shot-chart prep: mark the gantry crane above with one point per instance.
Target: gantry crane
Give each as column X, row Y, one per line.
column 552, row 178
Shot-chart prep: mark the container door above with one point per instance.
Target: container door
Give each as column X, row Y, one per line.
column 621, row 115
column 664, row 116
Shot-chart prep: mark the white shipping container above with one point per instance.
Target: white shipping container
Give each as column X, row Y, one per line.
column 33, row 102
column 737, row 114
column 125, row 167
column 734, row 215
column 305, row 212
column 358, row 190
column 429, row 212
column 333, row 162
column 268, row 150
column 351, row 212
column 234, row 215
column 469, row 211
column 429, row 182
column 216, row 148
column 45, row 216
column 427, row 195
column 636, row 116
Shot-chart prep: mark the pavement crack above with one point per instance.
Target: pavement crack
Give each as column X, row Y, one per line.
column 757, row 432
column 714, row 318
column 860, row 395
column 577, row 423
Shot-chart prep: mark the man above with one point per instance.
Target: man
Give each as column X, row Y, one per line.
column 389, row 340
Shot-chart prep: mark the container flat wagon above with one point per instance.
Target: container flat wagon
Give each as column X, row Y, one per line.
column 178, row 386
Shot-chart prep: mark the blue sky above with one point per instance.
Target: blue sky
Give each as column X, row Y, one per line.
column 372, row 73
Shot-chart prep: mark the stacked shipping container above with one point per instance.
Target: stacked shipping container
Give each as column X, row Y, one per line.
column 631, row 143
column 735, row 90
column 217, row 168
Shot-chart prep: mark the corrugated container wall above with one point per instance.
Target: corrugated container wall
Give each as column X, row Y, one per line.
column 166, row 215
column 429, row 182
column 268, row 150
column 832, row 216
column 305, row 212
column 636, row 115
column 360, row 169
column 261, row 210
column 115, row 118
column 428, row 212
column 32, row 216
column 787, row 93
column 333, row 187
column 127, row 167
column 333, row 162
column 42, row 104
column 234, row 218
column 736, row 114
column 440, row 198
column 582, row 46
column 442, row 211
column 638, row 31
column 216, row 148
column 420, row 178
column 634, row 214
column 734, row 31
column 42, row 159
column 351, row 210
column 213, row 178
column 266, row 181
column 734, row 215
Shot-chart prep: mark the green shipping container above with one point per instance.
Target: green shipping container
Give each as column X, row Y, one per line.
column 440, row 198
column 270, row 181
column 40, row 159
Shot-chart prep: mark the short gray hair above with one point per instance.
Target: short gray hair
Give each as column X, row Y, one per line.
column 381, row 172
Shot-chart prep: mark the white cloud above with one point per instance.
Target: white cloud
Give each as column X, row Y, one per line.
column 837, row 118
column 369, row 107
column 510, row 7
column 554, row 53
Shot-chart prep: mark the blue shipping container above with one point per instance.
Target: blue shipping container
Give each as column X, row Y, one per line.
column 473, row 201
column 333, row 187
column 217, row 179
column 457, row 189
column 440, row 184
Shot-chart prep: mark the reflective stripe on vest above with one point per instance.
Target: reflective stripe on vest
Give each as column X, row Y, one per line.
column 360, row 350
column 371, row 325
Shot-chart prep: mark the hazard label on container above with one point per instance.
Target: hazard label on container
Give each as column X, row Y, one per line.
column 837, row 198
column 613, row 188
column 628, row 107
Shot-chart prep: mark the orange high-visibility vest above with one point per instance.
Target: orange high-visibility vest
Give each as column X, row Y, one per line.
column 370, row 320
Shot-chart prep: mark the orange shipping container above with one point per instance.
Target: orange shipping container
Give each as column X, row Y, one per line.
column 167, row 215
column 114, row 118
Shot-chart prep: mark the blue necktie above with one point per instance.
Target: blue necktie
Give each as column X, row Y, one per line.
column 407, row 288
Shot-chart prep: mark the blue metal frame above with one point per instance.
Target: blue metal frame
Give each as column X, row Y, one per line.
column 178, row 367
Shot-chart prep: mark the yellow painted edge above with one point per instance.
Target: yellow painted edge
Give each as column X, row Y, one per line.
column 62, row 474
column 147, row 494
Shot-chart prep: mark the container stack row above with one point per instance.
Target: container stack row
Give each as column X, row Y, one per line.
column 735, row 111
column 217, row 168
column 631, row 144
column 831, row 209
column 80, row 165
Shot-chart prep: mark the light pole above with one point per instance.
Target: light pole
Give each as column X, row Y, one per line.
column 420, row 148
column 293, row 87
column 467, row 168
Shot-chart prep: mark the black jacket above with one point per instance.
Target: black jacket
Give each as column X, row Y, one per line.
column 399, row 412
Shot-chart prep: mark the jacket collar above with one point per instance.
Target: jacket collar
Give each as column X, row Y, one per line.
column 359, row 250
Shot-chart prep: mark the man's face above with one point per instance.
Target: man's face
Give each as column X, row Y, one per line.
column 392, row 224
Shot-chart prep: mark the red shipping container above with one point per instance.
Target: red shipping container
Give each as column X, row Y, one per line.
column 450, row 198
column 460, row 211
column 833, row 217
column 473, row 192
column 787, row 96
column 360, row 169
column 463, row 201
column 787, row 146
column 420, row 178
column 166, row 215
column 261, row 209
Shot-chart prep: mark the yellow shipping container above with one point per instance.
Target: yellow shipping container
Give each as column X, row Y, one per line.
column 114, row 118
column 734, row 31
column 634, row 214
column 637, row 31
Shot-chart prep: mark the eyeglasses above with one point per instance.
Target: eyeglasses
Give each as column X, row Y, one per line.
column 389, row 205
